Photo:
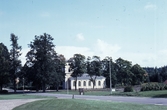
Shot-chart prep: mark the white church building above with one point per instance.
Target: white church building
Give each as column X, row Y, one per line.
column 83, row 81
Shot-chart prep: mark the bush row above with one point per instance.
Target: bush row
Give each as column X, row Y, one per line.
column 3, row 92
column 128, row 89
column 26, row 88
column 154, row 86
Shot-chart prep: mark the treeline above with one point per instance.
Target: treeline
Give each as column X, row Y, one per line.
column 156, row 74
column 43, row 67
column 122, row 71
column 46, row 68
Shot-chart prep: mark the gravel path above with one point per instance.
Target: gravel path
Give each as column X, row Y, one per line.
column 10, row 104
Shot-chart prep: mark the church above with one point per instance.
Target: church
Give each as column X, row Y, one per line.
column 83, row 81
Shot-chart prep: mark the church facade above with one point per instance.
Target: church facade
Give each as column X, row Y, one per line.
column 83, row 81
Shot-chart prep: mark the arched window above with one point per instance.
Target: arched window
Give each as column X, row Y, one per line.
column 94, row 83
column 99, row 83
column 84, row 83
column 89, row 83
column 79, row 83
column 73, row 83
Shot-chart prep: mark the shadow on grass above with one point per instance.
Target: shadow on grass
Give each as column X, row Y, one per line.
column 160, row 96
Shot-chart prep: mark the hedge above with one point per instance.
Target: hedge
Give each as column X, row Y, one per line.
column 128, row 89
column 153, row 86
column 3, row 92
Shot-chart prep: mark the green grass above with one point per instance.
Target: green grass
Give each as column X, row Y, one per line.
column 20, row 96
column 155, row 94
column 75, row 104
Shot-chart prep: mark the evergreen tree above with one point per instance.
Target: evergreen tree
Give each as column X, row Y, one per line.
column 15, row 62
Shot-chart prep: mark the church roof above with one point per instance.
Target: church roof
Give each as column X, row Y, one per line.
column 85, row 76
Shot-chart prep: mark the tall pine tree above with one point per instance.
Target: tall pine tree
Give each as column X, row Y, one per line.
column 15, row 62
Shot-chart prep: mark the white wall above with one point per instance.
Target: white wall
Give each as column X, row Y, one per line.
column 69, row 83
column 102, row 85
column 68, row 75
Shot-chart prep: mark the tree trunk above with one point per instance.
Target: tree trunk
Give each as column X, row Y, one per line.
column 37, row 87
column 0, row 87
column 14, row 85
column 57, row 88
column 76, row 84
column 43, row 87
column 94, row 82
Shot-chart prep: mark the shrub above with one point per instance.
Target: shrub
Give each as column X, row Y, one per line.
column 3, row 92
column 154, row 86
column 128, row 89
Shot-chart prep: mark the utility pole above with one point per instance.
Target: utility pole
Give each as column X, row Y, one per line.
column 110, row 76
column 67, row 87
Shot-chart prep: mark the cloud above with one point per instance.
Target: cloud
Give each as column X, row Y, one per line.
column 23, row 55
column 100, row 48
column 143, row 59
column 150, row 6
column 80, row 37
column 69, row 51
column 104, row 49
column 153, row 59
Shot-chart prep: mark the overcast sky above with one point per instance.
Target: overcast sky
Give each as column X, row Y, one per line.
column 135, row 30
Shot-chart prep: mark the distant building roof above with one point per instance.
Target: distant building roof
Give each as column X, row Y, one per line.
column 85, row 76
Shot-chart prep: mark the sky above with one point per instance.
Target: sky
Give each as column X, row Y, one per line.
column 134, row 30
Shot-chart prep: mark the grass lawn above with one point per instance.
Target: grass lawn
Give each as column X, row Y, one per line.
column 75, row 104
column 19, row 96
column 155, row 94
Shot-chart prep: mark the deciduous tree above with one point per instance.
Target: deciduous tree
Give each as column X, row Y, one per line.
column 94, row 68
column 4, row 65
column 124, row 74
column 138, row 74
column 58, row 73
column 77, row 65
column 39, row 58
column 106, row 73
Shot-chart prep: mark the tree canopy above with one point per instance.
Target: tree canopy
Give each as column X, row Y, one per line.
column 41, row 59
column 94, row 68
column 77, row 65
column 107, row 64
column 124, row 74
column 4, row 65
column 44, row 67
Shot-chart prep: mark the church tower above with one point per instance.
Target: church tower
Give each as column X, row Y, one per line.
column 67, row 76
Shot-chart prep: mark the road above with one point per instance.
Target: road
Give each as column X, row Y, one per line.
column 139, row 100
